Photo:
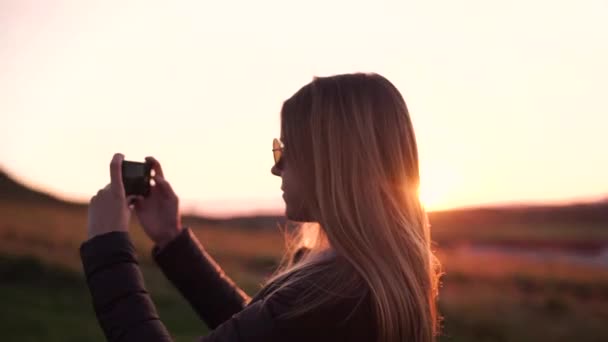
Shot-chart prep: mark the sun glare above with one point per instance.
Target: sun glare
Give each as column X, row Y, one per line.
column 431, row 198
column 436, row 186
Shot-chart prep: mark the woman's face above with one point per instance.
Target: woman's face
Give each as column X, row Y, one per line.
column 293, row 191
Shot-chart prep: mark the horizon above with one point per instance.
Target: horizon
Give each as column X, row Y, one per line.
column 503, row 114
column 198, row 210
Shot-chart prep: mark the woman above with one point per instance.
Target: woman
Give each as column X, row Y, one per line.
column 360, row 267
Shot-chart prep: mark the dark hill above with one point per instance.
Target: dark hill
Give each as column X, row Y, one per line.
column 579, row 213
column 11, row 190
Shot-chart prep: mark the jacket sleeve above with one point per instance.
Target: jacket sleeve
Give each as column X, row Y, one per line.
column 122, row 305
column 126, row 312
column 210, row 292
column 263, row 321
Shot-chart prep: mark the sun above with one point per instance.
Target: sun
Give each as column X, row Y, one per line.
column 436, row 189
column 431, row 198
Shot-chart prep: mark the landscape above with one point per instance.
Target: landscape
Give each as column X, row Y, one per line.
column 519, row 273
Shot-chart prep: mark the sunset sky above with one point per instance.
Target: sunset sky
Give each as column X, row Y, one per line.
column 509, row 99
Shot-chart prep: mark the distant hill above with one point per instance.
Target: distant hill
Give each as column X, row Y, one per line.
column 579, row 213
column 12, row 190
column 251, row 222
column 575, row 213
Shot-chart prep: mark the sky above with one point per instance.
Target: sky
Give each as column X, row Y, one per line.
column 508, row 98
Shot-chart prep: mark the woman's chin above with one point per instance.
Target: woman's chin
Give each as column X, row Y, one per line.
column 289, row 214
column 296, row 216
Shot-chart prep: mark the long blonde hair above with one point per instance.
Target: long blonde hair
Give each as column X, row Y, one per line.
column 353, row 137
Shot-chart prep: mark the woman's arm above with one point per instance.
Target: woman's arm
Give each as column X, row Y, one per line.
column 126, row 312
column 124, row 308
column 122, row 305
column 121, row 302
column 210, row 292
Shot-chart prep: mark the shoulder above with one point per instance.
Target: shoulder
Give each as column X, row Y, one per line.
column 327, row 299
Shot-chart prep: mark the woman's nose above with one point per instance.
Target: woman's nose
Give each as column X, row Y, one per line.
column 275, row 170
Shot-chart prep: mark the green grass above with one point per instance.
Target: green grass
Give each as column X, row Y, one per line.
column 40, row 302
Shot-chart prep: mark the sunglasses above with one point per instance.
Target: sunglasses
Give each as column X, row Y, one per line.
column 277, row 150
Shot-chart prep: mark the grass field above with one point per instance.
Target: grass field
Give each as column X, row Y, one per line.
column 484, row 297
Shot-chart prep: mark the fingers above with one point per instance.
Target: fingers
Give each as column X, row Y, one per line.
column 158, row 170
column 159, row 177
column 106, row 188
column 161, row 184
column 116, row 173
column 101, row 190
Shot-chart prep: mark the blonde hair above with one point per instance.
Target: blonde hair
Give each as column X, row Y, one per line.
column 353, row 137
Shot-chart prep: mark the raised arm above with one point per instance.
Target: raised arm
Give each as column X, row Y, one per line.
column 181, row 256
column 210, row 292
column 122, row 305
column 126, row 312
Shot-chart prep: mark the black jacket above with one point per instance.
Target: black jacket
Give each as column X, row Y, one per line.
column 126, row 313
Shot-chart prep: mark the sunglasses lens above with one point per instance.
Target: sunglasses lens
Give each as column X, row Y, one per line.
column 277, row 156
column 276, row 150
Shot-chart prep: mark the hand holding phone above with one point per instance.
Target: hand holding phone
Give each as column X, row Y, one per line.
column 157, row 206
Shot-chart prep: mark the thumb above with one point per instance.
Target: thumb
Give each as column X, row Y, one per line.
column 116, row 174
column 161, row 183
column 134, row 201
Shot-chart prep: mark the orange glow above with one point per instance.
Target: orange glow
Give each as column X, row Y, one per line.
column 436, row 186
column 431, row 199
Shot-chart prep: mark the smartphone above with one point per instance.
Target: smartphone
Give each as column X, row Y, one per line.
column 136, row 177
